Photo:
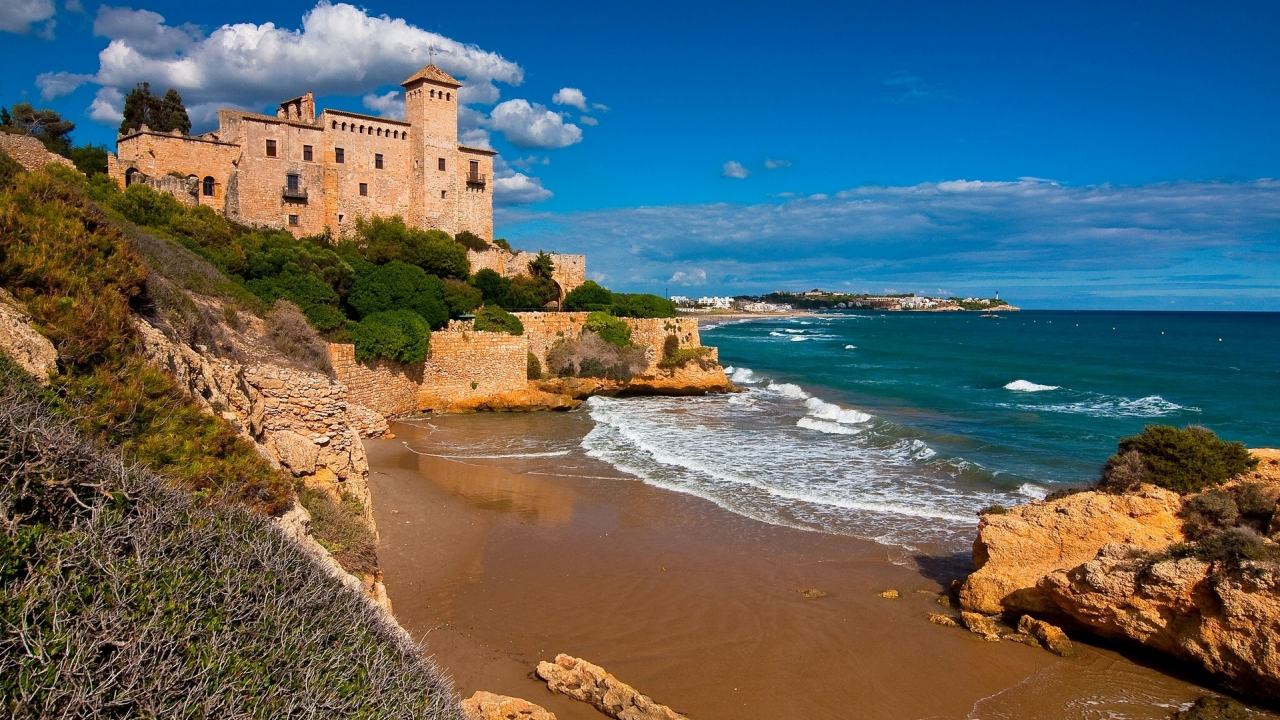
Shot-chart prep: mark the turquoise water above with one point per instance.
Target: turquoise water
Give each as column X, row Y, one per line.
column 899, row 426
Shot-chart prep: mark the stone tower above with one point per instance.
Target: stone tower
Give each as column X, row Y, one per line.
column 431, row 106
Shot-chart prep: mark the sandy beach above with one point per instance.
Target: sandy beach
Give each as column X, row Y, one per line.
column 497, row 563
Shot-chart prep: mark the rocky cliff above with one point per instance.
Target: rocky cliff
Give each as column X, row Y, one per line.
column 1117, row 566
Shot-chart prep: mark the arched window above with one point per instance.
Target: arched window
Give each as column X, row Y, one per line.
column 207, row 186
column 361, row 129
column 448, row 97
column 379, row 132
column 335, row 124
column 433, row 93
column 344, row 126
column 129, row 176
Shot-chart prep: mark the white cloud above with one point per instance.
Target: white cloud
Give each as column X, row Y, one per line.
column 107, row 106
column 18, row 16
column 480, row 93
column 734, row 169
column 56, row 85
column 572, row 97
column 697, row 276
column 73, row 6
column 512, row 188
column 144, row 31
column 532, row 125
column 339, row 50
column 524, row 163
column 390, row 105
column 588, row 120
column 774, row 164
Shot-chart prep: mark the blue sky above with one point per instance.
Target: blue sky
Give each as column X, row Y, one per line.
column 1077, row 155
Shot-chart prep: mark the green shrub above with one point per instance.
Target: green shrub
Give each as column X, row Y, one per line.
column 400, row 335
column 533, row 368
column 494, row 289
column 542, row 266
column 471, row 241
column 1208, row 511
column 399, row 285
column 1187, row 460
column 1233, row 545
column 674, row 356
column 502, row 244
column 141, row 205
column 461, row 298
column 316, row 298
column 591, row 356
column 388, row 239
column 993, row 509
column 609, row 328
column 1124, row 472
column 642, row 305
column 587, row 297
column 531, row 293
column 9, row 170
column 90, row 159
column 340, row 527
column 494, row 319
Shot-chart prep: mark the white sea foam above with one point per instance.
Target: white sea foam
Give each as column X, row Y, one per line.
column 788, row 390
column 776, row 454
column 850, row 347
column 799, row 338
column 1033, row 491
column 1116, row 407
column 1028, row 386
column 823, row 410
column 826, row 426
column 742, row 376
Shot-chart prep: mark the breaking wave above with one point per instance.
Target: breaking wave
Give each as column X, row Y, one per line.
column 1028, row 386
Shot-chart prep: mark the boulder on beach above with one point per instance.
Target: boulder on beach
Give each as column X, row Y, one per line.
column 589, row 683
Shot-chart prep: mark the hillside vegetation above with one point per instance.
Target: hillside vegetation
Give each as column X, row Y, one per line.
column 140, row 574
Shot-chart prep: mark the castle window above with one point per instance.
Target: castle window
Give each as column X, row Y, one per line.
column 361, row 129
column 448, row 97
column 433, row 93
column 291, row 182
column 395, row 134
column 306, row 153
column 335, row 124
column 377, row 160
column 207, row 186
column 271, row 148
column 441, row 164
column 442, row 194
column 339, row 155
column 364, row 189
column 379, row 132
column 340, row 217
column 344, row 126
column 293, row 220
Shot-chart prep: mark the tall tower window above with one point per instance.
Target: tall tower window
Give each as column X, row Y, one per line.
column 207, row 188
column 377, row 160
column 271, row 148
column 339, row 155
column 441, row 164
column 306, row 153
column 364, row 189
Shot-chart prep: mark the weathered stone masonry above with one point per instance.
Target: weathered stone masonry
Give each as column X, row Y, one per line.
column 307, row 174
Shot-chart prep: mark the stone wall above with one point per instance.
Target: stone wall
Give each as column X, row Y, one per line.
column 465, row 366
column 157, row 154
column 384, row 386
column 570, row 270
column 30, row 153
column 544, row 329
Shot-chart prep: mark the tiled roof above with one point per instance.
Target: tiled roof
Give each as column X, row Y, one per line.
column 434, row 74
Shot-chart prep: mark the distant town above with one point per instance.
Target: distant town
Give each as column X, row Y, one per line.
column 782, row 302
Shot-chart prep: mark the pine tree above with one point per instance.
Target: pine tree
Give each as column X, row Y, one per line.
column 161, row 114
column 137, row 107
column 47, row 125
column 172, row 113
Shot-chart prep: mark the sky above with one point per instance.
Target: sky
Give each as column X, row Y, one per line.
column 1068, row 155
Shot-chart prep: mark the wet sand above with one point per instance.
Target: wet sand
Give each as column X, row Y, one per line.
column 497, row 569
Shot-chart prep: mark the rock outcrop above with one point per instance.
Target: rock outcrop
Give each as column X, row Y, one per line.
column 1014, row 550
column 22, row 343
column 589, row 683
column 488, row 706
column 1106, row 564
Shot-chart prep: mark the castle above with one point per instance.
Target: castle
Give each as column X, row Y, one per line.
column 307, row 174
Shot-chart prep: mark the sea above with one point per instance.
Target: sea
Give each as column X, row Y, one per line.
column 899, row 427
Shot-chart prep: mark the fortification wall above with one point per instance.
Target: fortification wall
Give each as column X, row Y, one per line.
column 474, row 205
column 158, row 154
column 544, row 329
column 384, row 386
column 30, row 153
column 465, row 366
